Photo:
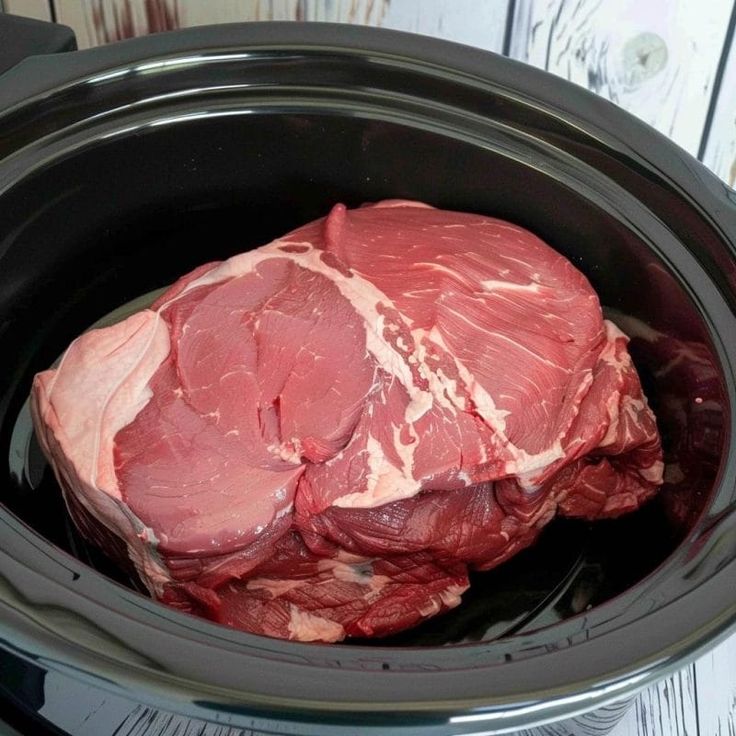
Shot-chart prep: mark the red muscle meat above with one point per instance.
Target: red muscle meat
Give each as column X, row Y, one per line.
column 318, row 438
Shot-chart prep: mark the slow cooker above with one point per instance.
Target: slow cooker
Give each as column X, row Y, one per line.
column 124, row 166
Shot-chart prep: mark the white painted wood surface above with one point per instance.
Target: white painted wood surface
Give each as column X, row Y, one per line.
column 720, row 151
column 669, row 708
column 656, row 58
column 716, row 682
column 103, row 21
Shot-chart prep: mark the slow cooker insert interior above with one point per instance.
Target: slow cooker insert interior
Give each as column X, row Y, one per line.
column 127, row 214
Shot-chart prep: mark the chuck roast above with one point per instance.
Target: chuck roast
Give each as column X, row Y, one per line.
column 318, row 438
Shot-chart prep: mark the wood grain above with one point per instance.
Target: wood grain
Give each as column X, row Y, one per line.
column 716, row 690
column 720, row 149
column 656, row 59
column 665, row 709
column 467, row 21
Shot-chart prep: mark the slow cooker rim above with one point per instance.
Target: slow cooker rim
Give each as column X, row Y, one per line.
column 40, row 76
column 65, row 655
column 101, row 61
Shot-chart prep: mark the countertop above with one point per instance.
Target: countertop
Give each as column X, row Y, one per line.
column 697, row 701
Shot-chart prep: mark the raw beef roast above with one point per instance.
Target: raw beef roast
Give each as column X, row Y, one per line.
column 316, row 439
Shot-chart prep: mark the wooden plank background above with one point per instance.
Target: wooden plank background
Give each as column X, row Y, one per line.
column 670, row 62
column 719, row 149
column 655, row 59
column 103, row 21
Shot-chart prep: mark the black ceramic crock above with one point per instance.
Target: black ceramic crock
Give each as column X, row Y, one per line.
column 125, row 166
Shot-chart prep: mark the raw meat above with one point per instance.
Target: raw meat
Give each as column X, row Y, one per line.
column 319, row 437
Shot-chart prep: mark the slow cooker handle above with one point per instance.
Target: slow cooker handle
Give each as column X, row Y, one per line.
column 23, row 37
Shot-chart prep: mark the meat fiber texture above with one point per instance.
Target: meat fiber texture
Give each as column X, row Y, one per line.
column 319, row 438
